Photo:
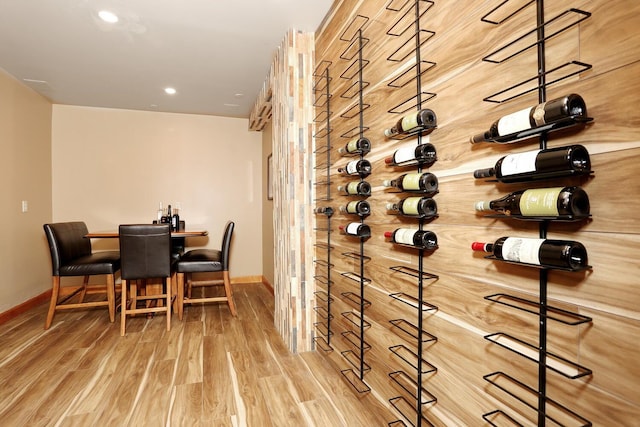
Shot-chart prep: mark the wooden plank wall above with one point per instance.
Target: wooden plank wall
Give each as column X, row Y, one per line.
column 292, row 197
column 608, row 293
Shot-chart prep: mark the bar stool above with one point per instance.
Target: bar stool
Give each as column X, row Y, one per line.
column 205, row 261
column 145, row 253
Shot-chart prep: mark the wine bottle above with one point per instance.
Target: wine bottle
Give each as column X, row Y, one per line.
column 356, row 229
column 360, row 146
column 527, row 122
column 360, row 167
column 166, row 218
column 539, row 164
column 557, row 202
column 175, row 220
column 357, row 207
column 422, row 239
column 418, row 207
column 413, row 123
column 415, row 182
column 326, row 210
column 160, row 213
column 423, row 154
column 563, row 254
column 356, row 188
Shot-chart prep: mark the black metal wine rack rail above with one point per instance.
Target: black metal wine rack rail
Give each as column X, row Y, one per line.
column 546, row 408
column 355, row 336
column 323, row 266
column 414, row 399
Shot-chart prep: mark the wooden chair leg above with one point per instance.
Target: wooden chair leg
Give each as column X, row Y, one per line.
column 123, row 307
column 227, row 291
column 168, row 292
column 189, row 287
column 55, row 291
column 83, row 292
column 111, row 297
column 180, row 295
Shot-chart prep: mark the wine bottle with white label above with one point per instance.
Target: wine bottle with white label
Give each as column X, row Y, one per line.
column 357, row 207
column 550, row 203
column 356, row 229
column 560, row 254
column 357, row 146
column 557, row 113
column 539, row 164
column 422, row 154
column 360, row 167
column 416, row 207
column 414, row 182
column 356, row 188
column 413, row 123
column 421, row 239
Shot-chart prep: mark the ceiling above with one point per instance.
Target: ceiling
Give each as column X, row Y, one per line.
column 215, row 53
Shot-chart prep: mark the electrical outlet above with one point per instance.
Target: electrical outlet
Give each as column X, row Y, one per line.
column 25, row 206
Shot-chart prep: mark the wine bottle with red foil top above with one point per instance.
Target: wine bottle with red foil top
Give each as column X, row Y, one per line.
column 560, row 254
column 356, row 188
column 545, row 203
column 539, row 164
column 414, row 182
column 357, row 146
column 419, row 155
column 554, row 114
column 324, row 210
column 357, row 207
column 421, row 239
column 423, row 120
column 416, row 207
column 356, row 229
column 361, row 168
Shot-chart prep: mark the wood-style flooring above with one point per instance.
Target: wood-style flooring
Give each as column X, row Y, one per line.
column 210, row 370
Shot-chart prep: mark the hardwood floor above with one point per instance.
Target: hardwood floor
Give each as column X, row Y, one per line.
column 209, row 370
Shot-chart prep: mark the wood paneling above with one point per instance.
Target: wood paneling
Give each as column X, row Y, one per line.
column 608, row 293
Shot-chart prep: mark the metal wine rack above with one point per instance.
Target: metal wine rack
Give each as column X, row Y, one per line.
column 536, row 399
column 353, row 36
column 323, row 266
column 414, row 399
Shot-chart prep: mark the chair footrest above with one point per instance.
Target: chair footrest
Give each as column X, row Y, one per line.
column 146, row 310
column 211, row 299
column 81, row 305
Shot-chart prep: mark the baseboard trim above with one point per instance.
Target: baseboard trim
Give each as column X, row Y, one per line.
column 25, row 306
column 246, row 280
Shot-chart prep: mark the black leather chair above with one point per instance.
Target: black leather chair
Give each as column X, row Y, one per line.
column 71, row 255
column 205, row 261
column 145, row 251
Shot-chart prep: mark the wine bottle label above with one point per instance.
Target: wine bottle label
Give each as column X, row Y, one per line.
column 410, row 122
column 352, row 146
column 514, row 122
column 540, row 202
column 352, row 187
column 411, row 181
column 514, row 164
column 519, row 249
column 352, row 167
column 352, row 228
column 352, row 207
column 410, row 205
column 404, row 236
column 404, row 154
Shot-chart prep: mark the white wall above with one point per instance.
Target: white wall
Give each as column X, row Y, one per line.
column 25, row 174
column 113, row 166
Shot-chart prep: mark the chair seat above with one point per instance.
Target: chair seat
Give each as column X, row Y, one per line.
column 107, row 262
column 200, row 261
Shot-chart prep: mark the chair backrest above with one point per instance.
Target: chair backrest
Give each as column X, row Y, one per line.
column 66, row 243
column 145, row 251
column 226, row 245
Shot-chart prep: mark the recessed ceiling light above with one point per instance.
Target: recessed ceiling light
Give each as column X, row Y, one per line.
column 169, row 91
column 107, row 16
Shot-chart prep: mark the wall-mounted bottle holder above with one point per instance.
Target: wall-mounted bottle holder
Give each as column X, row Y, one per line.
column 540, row 266
column 545, row 408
